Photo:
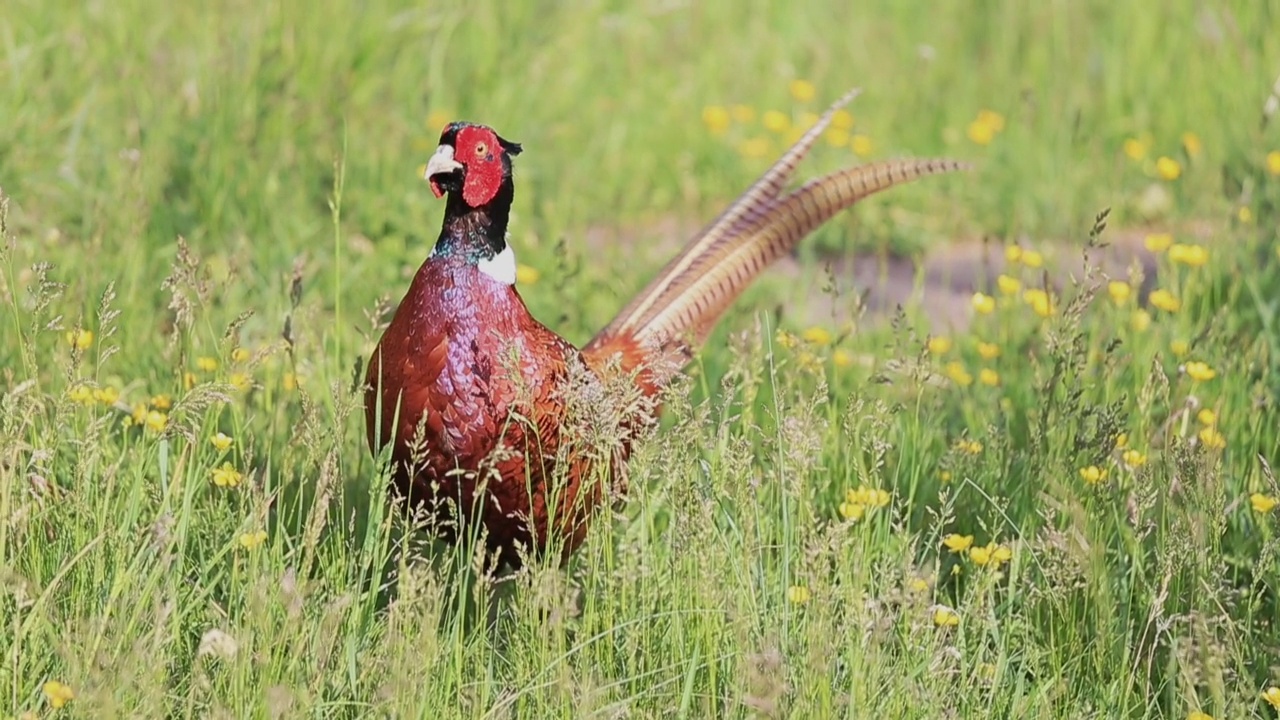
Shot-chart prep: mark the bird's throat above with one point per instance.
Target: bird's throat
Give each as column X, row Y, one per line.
column 475, row 234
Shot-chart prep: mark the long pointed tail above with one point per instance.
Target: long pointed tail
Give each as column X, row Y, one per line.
column 676, row 311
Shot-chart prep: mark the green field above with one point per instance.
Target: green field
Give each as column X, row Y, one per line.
column 204, row 210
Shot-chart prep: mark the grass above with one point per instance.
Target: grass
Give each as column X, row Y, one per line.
column 223, row 195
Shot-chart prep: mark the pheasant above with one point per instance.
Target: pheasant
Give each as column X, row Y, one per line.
column 493, row 420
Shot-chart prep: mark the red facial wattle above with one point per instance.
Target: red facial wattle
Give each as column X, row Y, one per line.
column 480, row 150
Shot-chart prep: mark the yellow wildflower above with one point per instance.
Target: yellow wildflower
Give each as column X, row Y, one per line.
column 1039, row 301
column 917, row 585
column 1122, row 441
column 1207, row 417
column 980, row 133
column 786, row 339
column 842, row 358
column 958, row 543
column 107, row 395
column 81, row 394
column 756, row 147
column 188, row 380
column 852, row 510
column 1191, row 144
column 80, row 338
column 1158, row 242
column 870, row 497
column 1032, row 258
column 990, row 377
column 1244, row 214
column 968, row 447
column 1133, row 458
column 992, row 119
column 1197, row 715
column 1263, row 503
column 798, row 594
column 842, row 120
column 239, row 355
column 984, row 304
column 527, row 274
column 716, row 118
column 1273, row 162
column 1008, row 285
column 240, row 381
column 157, row 421
column 988, row 351
column 1200, row 372
column 955, row 370
column 226, row 475
column 1179, row 348
column 861, row 145
column 837, row 137
column 1093, row 474
column 206, row 363
column 939, row 345
column 993, row 555
column 221, row 441
column 1013, row 254
column 1135, row 149
column 139, row 414
column 1140, row 320
column 1164, row 300
column 775, row 121
column 1168, row 168
column 1212, row 439
column 289, row 382
column 251, row 540
column 944, row 616
column 817, row 335
column 742, row 113
column 1190, row 255
column 1272, row 694
column 58, row 694
column 802, row 90
column 1119, row 291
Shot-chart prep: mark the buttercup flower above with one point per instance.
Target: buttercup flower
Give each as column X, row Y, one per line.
column 206, row 363
column 1133, row 458
column 817, row 335
column 958, row 543
column 1140, row 320
column 527, row 274
column 1093, row 474
column 775, row 121
column 988, row 377
column 1273, row 162
column 1119, row 291
column 1032, row 258
column 988, row 351
column 939, row 345
column 1039, row 301
column 157, row 421
column 251, row 540
column 1191, row 144
column 1189, row 255
column 1212, row 439
column 1164, row 300
column 798, row 594
column 716, row 118
column 944, row 616
column 1168, row 168
column 802, row 90
column 1009, row 285
column 1179, row 348
column 1262, row 503
column 756, row 147
column 852, row 510
column 1200, row 372
column 226, row 475
column 80, row 338
column 239, row 355
column 1013, row 254
column 968, row 447
column 1207, row 416
column 1158, row 242
column 81, row 394
column 58, row 694
column 983, row 303
column 161, row 402
column 1272, row 694
column 955, row 370
column 221, row 441
column 861, row 145
column 842, row 358
column 1135, row 149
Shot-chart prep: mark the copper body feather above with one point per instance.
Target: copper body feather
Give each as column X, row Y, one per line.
column 470, row 389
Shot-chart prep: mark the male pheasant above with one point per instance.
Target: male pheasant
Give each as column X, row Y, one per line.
column 498, row 424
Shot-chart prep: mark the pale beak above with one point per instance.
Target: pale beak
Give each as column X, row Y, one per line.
column 441, row 163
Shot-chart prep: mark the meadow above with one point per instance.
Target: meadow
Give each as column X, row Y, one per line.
column 1063, row 505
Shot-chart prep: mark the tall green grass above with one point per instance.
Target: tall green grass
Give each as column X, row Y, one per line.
column 224, row 195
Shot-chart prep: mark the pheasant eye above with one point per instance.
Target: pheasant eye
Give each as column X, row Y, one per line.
column 481, row 149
